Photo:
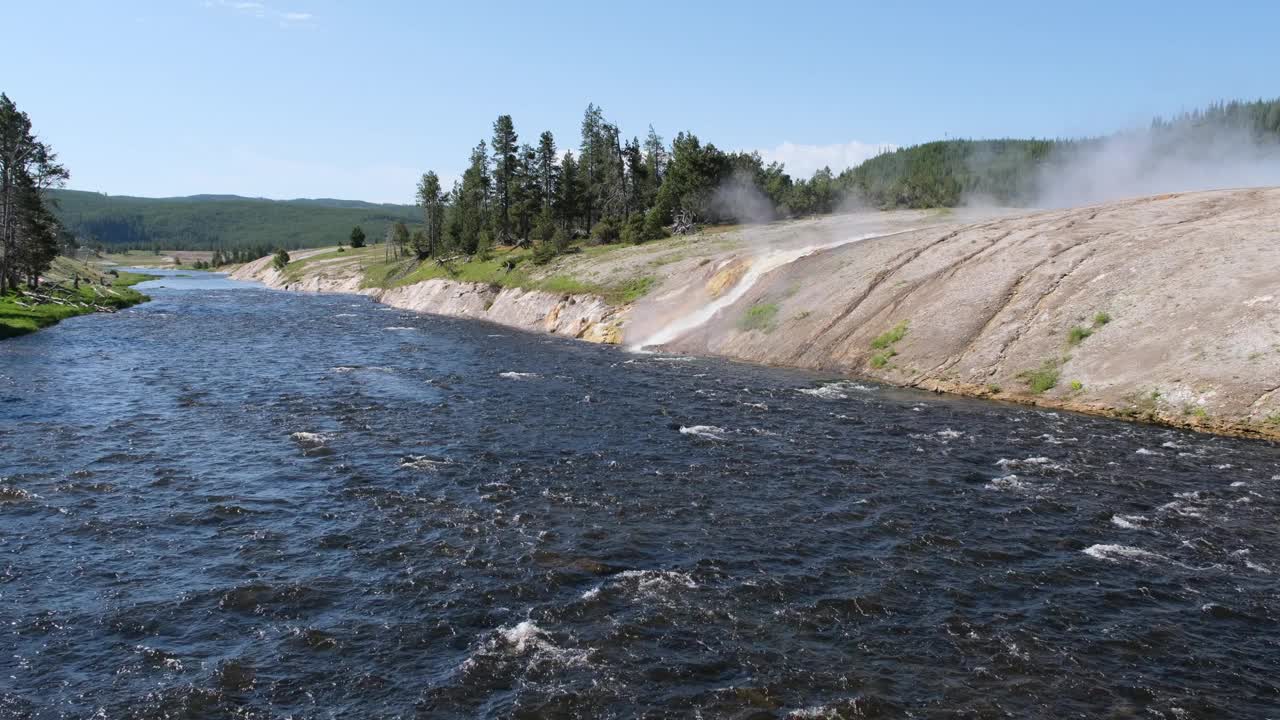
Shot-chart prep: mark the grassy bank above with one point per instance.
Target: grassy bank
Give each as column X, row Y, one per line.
column 503, row 267
column 167, row 259
column 25, row 311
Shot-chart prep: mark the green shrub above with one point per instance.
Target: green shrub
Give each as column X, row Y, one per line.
column 880, row 360
column 561, row 240
column 1078, row 335
column 760, row 316
column 1077, row 386
column 1043, row 379
column 633, row 229
column 280, row 260
column 544, row 228
column 898, row 332
column 654, row 228
column 607, row 230
column 543, row 253
column 628, row 292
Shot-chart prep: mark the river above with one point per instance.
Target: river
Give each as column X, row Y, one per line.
column 238, row 502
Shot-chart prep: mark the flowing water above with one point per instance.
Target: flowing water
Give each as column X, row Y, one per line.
column 239, row 502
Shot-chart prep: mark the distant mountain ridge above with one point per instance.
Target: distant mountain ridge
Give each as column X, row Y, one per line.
column 213, row 221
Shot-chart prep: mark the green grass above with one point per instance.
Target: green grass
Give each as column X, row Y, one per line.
column 761, row 316
column 15, row 319
column 370, row 254
column 1042, row 379
column 885, row 342
column 880, row 360
column 563, row 284
column 505, row 268
column 1078, row 335
column 1272, row 419
column 628, row 292
column 887, row 339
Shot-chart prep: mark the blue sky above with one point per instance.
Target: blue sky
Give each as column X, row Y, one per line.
column 311, row 98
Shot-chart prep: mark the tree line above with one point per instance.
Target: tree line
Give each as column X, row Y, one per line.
column 632, row 190
column 612, row 189
column 30, row 236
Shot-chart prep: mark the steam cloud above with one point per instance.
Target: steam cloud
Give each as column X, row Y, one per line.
column 1162, row 159
column 740, row 199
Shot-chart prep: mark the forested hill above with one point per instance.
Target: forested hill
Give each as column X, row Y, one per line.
column 228, row 222
column 1226, row 144
column 947, row 172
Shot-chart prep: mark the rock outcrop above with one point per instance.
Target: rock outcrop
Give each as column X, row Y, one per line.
column 586, row 317
column 1163, row 308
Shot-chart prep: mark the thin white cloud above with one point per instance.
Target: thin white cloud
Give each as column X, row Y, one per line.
column 802, row 161
column 261, row 11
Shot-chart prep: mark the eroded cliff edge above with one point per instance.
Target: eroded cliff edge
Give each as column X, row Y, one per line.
column 582, row 316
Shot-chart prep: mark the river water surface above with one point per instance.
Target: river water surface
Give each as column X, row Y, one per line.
column 238, row 502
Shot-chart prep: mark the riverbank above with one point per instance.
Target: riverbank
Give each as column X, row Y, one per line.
column 1161, row 309
column 26, row 311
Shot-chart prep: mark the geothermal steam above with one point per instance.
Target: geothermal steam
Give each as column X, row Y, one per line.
column 1162, row 159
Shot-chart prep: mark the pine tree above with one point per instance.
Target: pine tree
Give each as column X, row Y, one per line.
column 431, row 200
column 569, row 194
column 505, row 159
column 420, row 244
column 637, row 173
column 453, row 218
column 656, row 157
column 36, row 234
column 357, row 237
column 28, row 167
column 473, row 201
column 547, row 168
column 526, row 193
column 591, row 163
column 612, row 189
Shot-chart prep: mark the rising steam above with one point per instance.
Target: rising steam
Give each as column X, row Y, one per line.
column 740, row 199
column 1162, row 159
